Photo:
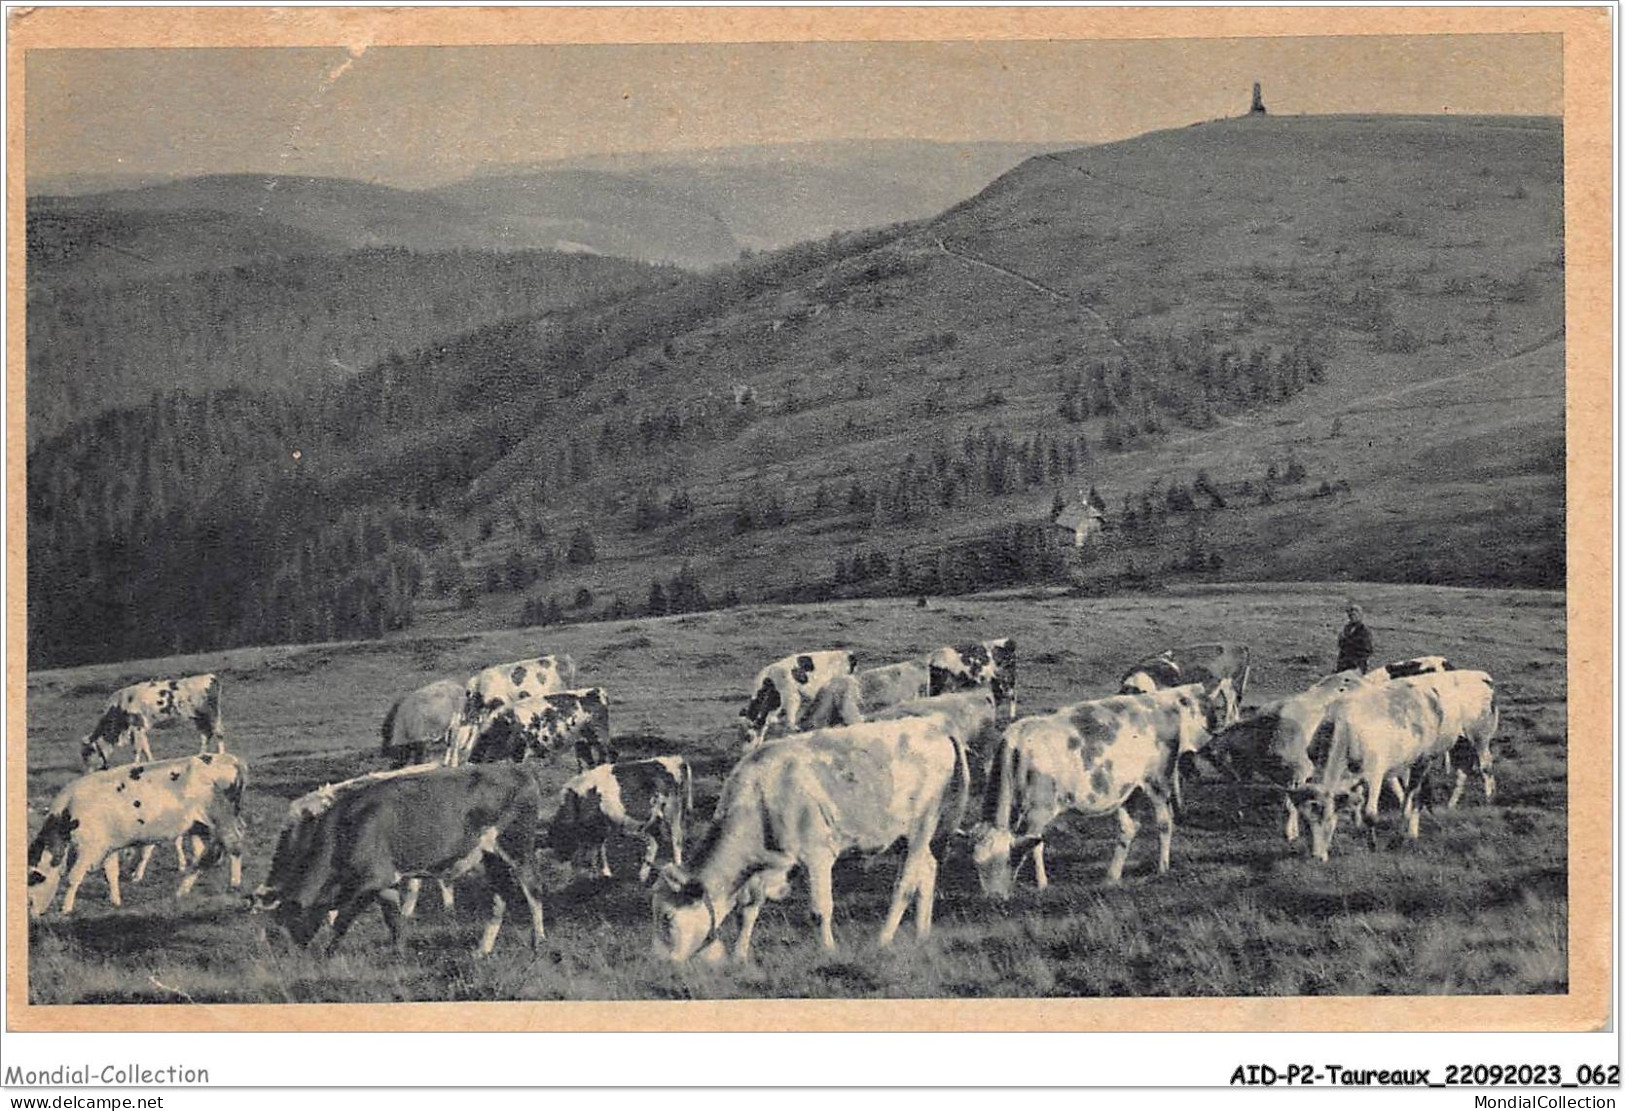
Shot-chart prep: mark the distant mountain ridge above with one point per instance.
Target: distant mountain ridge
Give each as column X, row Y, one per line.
column 1350, row 328
column 691, row 209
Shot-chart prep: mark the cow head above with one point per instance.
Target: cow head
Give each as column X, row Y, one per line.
column 997, row 852
column 686, row 917
column 47, row 854
column 1318, row 808
column 754, row 717
column 93, row 754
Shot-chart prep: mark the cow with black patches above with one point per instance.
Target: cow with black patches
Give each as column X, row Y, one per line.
column 784, row 687
column 1392, row 735
column 1193, row 663
column 991, row 663
column 417, row 722
column 1090, row 758
column 849, row 699
column 493, row 688
column 972, row 717
column 101, row 813
column 647, row 799
column 541, row 726
column 440, row 823
column 1405, row 669
column 802, row 802
column 132, row 712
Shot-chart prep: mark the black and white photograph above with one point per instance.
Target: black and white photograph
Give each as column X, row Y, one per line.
column 993, row 519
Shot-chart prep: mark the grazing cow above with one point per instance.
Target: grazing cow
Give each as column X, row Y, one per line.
column 849, row 699
column 98, row 814
column 972, row 717
column 1273, row 745
column 1090, row 757
column 784, row 686
column 1390, row 734
column 1195, row 663
column 441, row 822
column 540, row 726
column 418, row 721
column 805, row 800
column 649, row 799
column 1404, row 669
column 133, row 711
column 992, row 663
column 303, row 812
column 490, row 690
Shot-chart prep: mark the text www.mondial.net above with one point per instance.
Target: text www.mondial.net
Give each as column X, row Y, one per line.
column 87, row 1103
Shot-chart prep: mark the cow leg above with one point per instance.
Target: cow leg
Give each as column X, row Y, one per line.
column 488, row 938
column 908, row 882
column 517, row 882
column 345, row 917
column 1125, row 838
column 674, row 830
column 1164, row 817
column 448, row 895
column 180, row 850
column 1486, row 761
column 389, row 905
column 748, row 914
column 1040, row 874
column 82, row 864
column 235, row 882
column 146, row 857
column 1291, row 820
column 925, row 895
column 409, row 905
column 143, row 750
column 821, row 889
column 603, row 861
column 1412, row 811
column 189, row 879
column 651, row 850
column 110, row 868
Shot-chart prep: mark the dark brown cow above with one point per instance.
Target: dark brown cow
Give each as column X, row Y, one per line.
column 440, row 823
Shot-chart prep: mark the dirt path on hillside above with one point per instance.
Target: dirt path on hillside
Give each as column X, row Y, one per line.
column 1033, row 283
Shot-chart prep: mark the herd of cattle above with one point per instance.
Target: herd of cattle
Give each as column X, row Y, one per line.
column 835, row 759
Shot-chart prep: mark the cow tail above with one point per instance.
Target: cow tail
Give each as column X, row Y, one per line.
column 234, row 790
column 961, row 773
column 388, row 730
column 688, row 788
column 997, row 801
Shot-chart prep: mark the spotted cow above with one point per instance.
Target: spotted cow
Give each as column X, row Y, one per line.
column 490, row 690
column 647, row 799
column 100, row 813
column 1195, row 663
column 541, row 726
column 1090, row 758
column 418, row 722
column 802, row 802
column 1392, row 735
column 784, row 687
column 991, row 663
column 134, row 711
column 441, row 823
column 849, row 699
column 1404, row 669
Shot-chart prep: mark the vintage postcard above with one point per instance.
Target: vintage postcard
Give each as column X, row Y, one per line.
column 809, row 519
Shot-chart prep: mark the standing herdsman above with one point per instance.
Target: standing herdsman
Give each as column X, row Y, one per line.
column 1354, row 643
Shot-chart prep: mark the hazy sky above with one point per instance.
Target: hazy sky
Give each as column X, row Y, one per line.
column 411, row 115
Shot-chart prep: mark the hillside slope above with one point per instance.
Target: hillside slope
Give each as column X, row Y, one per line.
column 1351, row 328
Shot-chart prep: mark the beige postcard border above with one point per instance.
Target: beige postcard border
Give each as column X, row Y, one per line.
column 1588, row 216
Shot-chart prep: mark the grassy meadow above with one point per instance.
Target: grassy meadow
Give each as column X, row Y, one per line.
column 1479, row 905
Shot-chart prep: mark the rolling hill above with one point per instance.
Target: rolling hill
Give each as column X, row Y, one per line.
column 1350, row 328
